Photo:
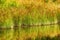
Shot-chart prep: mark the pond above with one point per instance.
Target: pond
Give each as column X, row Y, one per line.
column 48, row 32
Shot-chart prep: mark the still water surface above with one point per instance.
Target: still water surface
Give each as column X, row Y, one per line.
column 28, row 32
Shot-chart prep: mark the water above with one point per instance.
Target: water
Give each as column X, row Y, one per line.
column 48, row 32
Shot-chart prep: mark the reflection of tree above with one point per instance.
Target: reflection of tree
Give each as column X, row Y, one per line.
column 1, row 31
column 2, row 34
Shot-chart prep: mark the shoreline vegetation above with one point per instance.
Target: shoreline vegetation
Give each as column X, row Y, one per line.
column 30, row 19
column 28, row 13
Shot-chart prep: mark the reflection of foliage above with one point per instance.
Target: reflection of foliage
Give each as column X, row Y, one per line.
column 1, row 31
column 37, row 38
column 54, row 38
column 29, row 39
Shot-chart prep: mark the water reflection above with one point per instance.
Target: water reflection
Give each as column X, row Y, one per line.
column 31, row 33
column 6, row 34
